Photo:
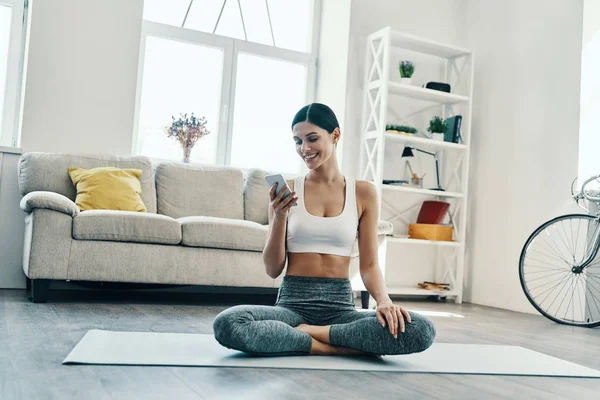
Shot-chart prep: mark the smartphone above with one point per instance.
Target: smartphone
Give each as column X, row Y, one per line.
column 278, row 179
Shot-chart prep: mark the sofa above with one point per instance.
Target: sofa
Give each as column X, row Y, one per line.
column 204, row 226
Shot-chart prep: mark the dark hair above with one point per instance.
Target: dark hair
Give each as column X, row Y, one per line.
column 317, row 114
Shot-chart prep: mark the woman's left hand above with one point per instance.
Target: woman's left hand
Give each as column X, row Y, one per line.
column 394, row 314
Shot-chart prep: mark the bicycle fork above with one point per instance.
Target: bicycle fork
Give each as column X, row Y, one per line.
column 578, row 268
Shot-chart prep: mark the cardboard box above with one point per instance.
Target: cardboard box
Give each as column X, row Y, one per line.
column 430, row 232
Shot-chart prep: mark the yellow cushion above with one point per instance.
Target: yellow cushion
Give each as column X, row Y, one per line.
column 108, row 188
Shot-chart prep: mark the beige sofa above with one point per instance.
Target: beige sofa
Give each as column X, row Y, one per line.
column 205, row 225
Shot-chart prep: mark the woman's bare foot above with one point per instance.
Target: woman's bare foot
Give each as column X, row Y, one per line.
column 321, row 333
column 322, row 347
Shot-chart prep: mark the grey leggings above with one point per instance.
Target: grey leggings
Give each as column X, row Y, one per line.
column 269, row 330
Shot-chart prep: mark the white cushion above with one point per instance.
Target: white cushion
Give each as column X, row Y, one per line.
column 223, row 233
column 186, row 190
column 126, row 226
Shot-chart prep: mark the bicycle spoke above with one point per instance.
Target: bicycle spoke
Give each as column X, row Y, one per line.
column 592, row 286
column 589, row 243
column 577, row 234
column 565, row 279
column 584, row 302
column 596, row 299
column 536, row 266
column 553, row 289
column 545, row 267
column 578, row 281
column 554, row 250
column 587, row 304
column 564, row 238
column 562, row 301
column 558, row 291
column 543, row 277
column 541, row 272
column 594, row 278
column 571, row 301
column 550, row 289
column 595, row 303
column 547, row 255
column 544, row 284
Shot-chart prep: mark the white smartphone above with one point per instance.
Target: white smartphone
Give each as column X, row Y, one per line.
column 278, row 179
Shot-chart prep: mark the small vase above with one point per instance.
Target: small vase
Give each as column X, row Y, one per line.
column 405, row 81
column 187, row 151
column 438, row 136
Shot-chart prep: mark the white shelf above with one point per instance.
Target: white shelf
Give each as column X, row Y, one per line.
column 409, row 290
column 419, row 93
column 383, row 92
column 427, row 192
column 426, row 46
column 414, row 140
column 441, row 243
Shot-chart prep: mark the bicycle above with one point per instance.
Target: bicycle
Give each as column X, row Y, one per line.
column 559, row 267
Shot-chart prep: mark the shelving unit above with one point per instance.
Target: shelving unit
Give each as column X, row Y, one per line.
column 382, row 86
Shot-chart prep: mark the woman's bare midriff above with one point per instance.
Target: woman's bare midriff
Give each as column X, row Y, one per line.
column 318, row 265
column 315, row 264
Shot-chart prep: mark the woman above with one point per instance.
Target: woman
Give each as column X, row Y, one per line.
column 314, row 312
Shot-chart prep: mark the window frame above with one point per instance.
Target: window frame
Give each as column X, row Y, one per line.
column 9, row 132
column 231, row 48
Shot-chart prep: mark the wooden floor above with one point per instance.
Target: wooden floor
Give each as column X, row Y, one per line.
column 35, row 338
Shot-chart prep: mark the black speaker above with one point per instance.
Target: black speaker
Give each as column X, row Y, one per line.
column 442, row 87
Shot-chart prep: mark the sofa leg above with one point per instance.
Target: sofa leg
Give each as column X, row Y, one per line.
column 39, row 290
column 364, row 299
column 27, row 284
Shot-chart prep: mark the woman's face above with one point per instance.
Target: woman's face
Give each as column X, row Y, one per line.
column 314, row 145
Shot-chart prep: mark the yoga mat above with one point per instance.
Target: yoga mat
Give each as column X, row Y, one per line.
column 184, row 349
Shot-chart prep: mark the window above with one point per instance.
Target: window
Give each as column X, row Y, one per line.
column 264, row 125
column 247, row 66
column 11, row 57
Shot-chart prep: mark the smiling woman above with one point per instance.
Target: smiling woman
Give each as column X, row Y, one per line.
column 315, row 312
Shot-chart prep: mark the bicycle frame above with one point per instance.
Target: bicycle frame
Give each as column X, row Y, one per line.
column 595, row 247
column 596, row 242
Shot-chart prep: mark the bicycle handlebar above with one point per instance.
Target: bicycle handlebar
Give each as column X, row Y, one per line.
column 586, row 195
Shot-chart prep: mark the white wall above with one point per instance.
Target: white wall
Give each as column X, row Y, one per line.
column 81, row 76
column 525, row 134
column 589, row 140
column 332, row 74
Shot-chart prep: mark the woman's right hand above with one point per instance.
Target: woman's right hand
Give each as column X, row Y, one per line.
column 280, row 207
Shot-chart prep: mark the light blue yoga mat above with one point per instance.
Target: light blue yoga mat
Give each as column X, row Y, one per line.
column 184, row 349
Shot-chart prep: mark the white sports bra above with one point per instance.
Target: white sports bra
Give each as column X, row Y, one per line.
column 307, row 233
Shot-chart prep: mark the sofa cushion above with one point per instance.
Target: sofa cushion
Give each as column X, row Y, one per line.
column 256, row 195
column 49, row 172
column 223, row 233
column 126, row 226
column 187, row 190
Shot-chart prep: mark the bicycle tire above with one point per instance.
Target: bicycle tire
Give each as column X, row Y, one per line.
column 522, row 279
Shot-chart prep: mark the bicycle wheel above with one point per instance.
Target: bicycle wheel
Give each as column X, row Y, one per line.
column 549, row 275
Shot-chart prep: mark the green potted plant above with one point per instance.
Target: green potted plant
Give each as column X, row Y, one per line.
column 401, row 129
column 437, row 127
column 407, row 68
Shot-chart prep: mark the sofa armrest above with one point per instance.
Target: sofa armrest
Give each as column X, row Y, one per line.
column 49, row 200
